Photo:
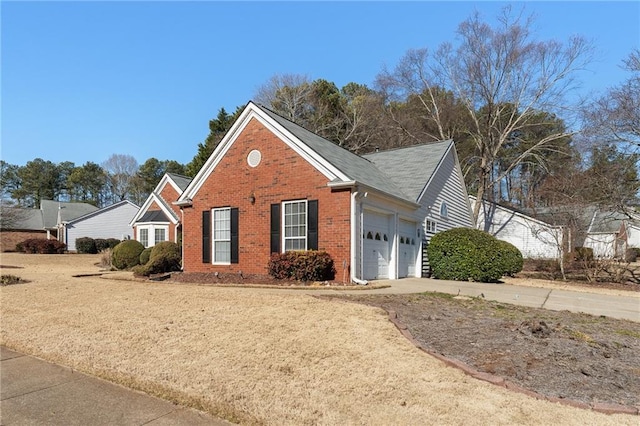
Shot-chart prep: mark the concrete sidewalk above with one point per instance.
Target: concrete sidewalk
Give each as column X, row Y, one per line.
column 35, row 392
column 621, row 307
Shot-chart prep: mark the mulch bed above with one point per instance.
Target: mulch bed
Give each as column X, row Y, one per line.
column 561, row 355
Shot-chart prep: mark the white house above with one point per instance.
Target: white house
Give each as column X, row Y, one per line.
column 108, row 222
column 534, row 238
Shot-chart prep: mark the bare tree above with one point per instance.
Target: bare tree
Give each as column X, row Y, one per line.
column 505, row 79
column 286, row 94
column 615, row 116
column 121, row 170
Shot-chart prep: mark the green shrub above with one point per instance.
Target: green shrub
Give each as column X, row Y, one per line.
column 511, row 258
column 126, row 254
column 145, row 255
column 101, row 244
column 86, row 245
column 584, row 253
column 112, row 242
column 464, row 254
column 302, row 266
column 41, row 246
column 163, row 257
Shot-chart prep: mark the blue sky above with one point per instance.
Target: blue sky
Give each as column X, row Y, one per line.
column 83, row 80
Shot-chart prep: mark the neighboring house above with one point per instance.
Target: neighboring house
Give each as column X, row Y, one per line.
column 607, row 234
column 158, row 219
column 108, row 222
column 534, row 238
column 272, row 186
column 47, row 222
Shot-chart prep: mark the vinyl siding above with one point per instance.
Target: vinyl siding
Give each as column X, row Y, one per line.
column 447, row 185
column 111, row 223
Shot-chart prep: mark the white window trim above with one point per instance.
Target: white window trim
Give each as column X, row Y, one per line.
column 213, row 236
column 284, row 224
column 151, row 227
column 435, row 226
column 444, row 210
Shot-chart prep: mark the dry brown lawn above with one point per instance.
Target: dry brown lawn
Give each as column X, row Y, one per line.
column 252, row 356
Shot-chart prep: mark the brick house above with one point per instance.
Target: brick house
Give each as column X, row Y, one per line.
column 271, row 186
column 159, row 219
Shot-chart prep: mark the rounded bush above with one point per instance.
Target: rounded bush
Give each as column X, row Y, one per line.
column 511, row 258
column 145, row 255
column 163, row 257
column 126, row 254
column 86, row 245
column 112, row 242
column 464, row 254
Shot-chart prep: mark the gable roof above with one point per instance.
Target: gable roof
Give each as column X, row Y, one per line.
column 391, row 172
column 411, row 168
column 179, row 180
column 179, row 183
column 25, row 219
column 102, row 210
column 54, row 212
column 606, row 222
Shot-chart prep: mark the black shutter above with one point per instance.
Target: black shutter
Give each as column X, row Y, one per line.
column 312, row 224
column 275, row 228
column 206, row 236
column 235, row 249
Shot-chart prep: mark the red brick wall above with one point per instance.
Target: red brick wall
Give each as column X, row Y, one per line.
column 154, row 206
column 9, row 239
column 281, row 175
column 169, row 195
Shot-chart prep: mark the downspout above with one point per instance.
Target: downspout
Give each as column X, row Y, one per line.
column 356, row 232
column 182, row 240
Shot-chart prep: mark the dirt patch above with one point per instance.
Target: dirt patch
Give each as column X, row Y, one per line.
column 557, row 354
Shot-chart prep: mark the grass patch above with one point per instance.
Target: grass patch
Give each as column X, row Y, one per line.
column 629, row 333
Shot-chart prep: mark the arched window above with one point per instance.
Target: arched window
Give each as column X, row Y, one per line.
column 369, row 236
column 401, row 240
column 384, row 237
column 377, row 236
column 444, row 211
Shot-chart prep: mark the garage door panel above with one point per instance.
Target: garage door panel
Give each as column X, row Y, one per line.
column 376, row 250
column 407, row 249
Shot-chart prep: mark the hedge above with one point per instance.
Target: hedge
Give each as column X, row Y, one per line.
column 86, row 245
column 41, row 246
column 308, row 265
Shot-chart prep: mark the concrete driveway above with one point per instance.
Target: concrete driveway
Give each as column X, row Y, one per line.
column 614, row 306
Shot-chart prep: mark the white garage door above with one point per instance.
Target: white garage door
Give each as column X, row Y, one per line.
column 407, row 249
column 376, row 240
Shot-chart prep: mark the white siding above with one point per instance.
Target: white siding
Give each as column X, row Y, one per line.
column 106, row 223
column 447, row 185
column 603, row 244
column 633, row 235
column 534, row 239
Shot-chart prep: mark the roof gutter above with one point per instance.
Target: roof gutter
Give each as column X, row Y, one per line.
column 352, row 184
column 184, row 203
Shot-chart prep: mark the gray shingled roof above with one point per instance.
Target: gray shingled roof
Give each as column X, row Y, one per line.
column 153, row 216
column 607, row 222
column 181, row 181
column 68, row 211
column 26, row 219
column 397, row 172
column 411, row 168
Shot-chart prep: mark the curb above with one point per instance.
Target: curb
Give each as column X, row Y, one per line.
column 500, row 381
